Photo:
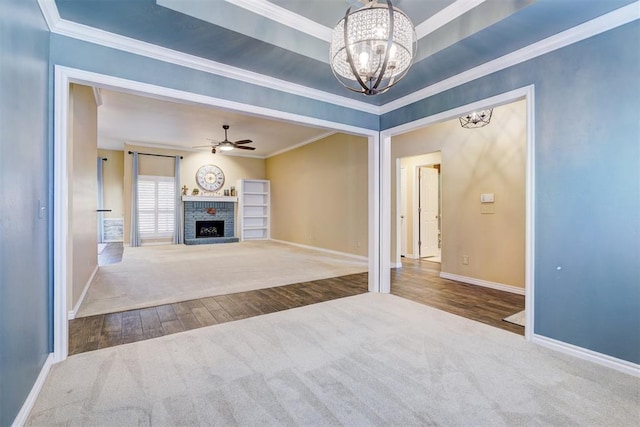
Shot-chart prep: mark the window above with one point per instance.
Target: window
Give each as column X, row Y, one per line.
column 156, row 206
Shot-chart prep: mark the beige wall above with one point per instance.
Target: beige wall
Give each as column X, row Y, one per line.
column 491, row 159
column 113, row 179
column 319, row 194
column 234, row 168
column 83, row 228
column 410, row 163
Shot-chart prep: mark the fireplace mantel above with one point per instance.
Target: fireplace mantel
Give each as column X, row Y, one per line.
column 209, row 199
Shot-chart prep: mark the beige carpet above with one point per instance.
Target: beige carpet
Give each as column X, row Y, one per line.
column 372, row 359
column 154, row 275
column 518, row 318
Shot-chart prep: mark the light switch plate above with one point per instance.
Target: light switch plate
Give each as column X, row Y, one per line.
column 486, row 198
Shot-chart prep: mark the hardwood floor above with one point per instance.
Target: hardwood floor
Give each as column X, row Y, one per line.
column 419, row 280
column 107, row 330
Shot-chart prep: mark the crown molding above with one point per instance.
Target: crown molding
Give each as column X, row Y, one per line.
column 596, row 26
column 301, row 144
column 446, row 15
column 285, row 17
column 581, row 32
column 103, row 38
column 50, row 13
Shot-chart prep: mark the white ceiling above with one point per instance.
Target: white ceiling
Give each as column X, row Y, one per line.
column 138, row 120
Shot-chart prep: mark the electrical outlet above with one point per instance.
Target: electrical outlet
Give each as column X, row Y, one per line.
column 465, row 259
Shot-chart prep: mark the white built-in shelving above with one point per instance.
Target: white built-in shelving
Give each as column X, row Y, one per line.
column 253, row 209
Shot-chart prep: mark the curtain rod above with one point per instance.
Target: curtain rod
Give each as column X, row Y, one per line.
column 104, row 159
column 157, row 155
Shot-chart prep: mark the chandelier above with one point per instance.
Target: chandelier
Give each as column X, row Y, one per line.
column 372, row 48
column 476, row 119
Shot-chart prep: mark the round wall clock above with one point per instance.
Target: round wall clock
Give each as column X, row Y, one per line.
column 210, row 178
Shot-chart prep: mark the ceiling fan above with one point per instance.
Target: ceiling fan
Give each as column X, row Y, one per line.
column 226, row 145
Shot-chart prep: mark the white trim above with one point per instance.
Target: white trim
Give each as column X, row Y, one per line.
column 60, row 214
column 591, row 28
column 376, row 271
column 301, row 144
column 581, row 32
column 396, row 265
column 399, row 192
column 446, row 15
column 316, row 248
column 527, row 93
column 72, row 314
column 63, row 76
column 27, row 406
column 483, row 283
column 530, row 198
column 385, row 213
column 126, row 44
column 97, row 95
column 624, row 366
column 49, row 12
column 285, row 17
column 227, row 199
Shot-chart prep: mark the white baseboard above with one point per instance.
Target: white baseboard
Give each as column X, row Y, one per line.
column 485, row 283
column 396, row 265
column 22, row 416
column 329, row 251
column 590, row 355
column 72, row 314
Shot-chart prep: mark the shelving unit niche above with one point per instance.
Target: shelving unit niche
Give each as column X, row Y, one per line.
column 254, row 209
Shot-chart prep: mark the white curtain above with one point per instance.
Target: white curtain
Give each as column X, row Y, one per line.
column 100, row 200
column 134, row 239
column 178, row 232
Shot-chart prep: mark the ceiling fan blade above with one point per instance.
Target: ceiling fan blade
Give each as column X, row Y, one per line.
column 242, row 147
column 202, row 146
column 243, row 141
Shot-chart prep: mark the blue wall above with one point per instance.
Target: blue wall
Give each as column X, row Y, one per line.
column 587, row 195
column 90, row 57
column 24, row 167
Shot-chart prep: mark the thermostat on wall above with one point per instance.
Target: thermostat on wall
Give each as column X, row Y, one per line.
column 486, row 198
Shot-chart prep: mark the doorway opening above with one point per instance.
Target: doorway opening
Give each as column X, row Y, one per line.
column 429, row 236
column 484, row 209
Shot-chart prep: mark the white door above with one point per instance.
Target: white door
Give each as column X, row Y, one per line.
column 403, row 211
column 428, row 211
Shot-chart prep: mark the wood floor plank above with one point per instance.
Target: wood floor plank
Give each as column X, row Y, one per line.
column 420, row 281
column 113, row 322
column 150, row 319
column 166, row 313
column 204, row 316
column 172, row 326
column 189, row 321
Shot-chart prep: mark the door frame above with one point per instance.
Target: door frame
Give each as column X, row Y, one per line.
column 528, row 94
column 416, row 204
column 64, row 76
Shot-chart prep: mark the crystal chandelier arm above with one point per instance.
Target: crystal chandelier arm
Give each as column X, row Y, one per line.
column 349, row 55
column 388, row 49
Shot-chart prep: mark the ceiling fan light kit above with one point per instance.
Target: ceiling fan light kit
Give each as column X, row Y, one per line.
column 226, row 145
column 372, row 48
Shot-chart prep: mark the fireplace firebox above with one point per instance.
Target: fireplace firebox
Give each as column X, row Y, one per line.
column 209, row 229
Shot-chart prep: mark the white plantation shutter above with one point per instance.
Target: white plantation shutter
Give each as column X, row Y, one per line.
column 156, row 206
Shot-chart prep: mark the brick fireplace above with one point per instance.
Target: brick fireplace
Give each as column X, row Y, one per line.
column 209, row 220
